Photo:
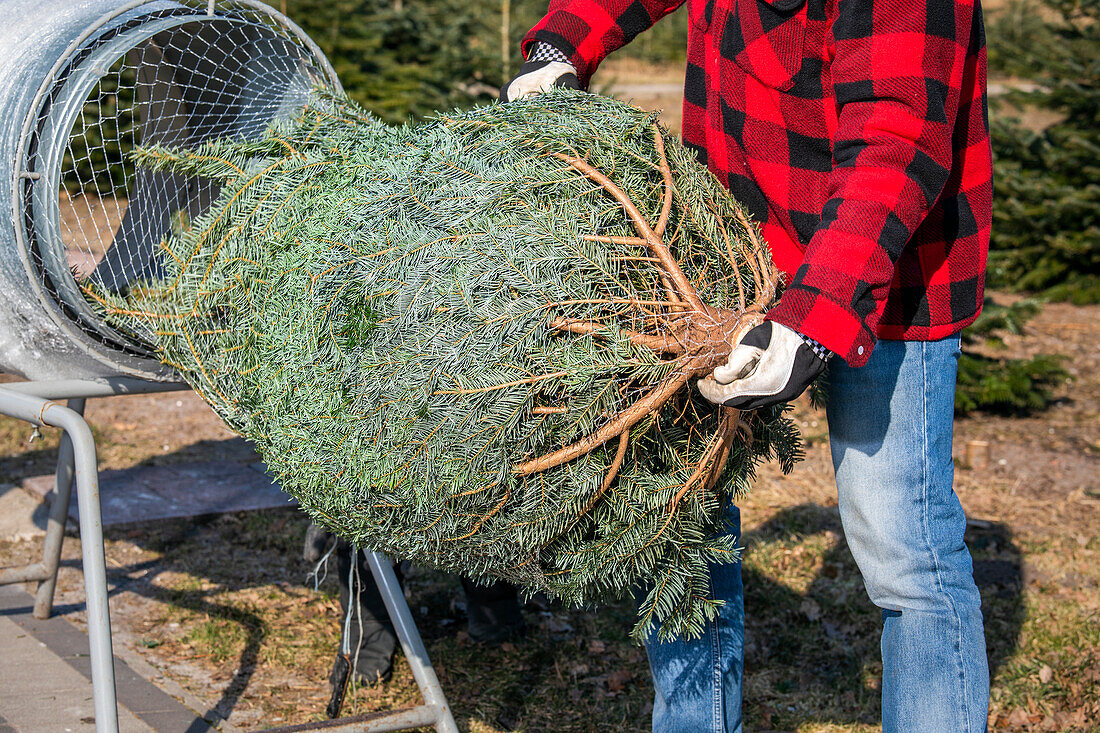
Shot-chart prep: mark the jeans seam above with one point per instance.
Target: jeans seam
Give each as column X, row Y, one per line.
column 926, row 484
column 717, row 719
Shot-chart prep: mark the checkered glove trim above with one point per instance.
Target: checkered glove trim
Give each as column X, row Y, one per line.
column 822, row 353
column 546, row 52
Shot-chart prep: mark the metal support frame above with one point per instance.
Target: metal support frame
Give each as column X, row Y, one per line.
column 34, row 402
column 435, row 703
column 41, row 411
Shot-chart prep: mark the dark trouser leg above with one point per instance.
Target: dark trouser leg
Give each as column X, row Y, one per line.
column 368, row 633
column 493, row 612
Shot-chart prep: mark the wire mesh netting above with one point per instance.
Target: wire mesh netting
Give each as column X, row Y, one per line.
column 174, row 74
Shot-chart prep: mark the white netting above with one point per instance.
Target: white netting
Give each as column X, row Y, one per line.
column 172, row 73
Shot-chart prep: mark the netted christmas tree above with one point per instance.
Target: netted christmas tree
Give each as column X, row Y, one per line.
column 472, row 343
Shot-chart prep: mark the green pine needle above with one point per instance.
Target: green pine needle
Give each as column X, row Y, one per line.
column 371, row 306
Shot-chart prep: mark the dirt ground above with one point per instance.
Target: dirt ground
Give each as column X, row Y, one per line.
column 223, row 606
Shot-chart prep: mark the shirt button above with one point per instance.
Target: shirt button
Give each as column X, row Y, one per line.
column 860, row 351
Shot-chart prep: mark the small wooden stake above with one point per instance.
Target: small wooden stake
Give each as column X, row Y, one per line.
column 977, row 454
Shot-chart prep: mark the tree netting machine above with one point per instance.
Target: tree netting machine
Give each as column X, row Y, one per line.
column 82, row 82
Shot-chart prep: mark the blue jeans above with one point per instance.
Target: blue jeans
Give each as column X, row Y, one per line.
column 890, row 428
column 698, row 682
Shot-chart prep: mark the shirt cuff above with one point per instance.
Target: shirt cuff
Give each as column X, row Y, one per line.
column 813, row 314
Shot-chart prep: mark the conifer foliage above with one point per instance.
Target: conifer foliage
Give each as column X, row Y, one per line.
column 472, row 342
column 1046, row 216
column 993, row 383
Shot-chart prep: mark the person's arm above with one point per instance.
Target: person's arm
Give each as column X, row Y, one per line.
column 897, row 73
column 896, row 76
column 586, row 31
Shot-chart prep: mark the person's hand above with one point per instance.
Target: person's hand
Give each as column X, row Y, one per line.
column 545, row 67
column 771, row 364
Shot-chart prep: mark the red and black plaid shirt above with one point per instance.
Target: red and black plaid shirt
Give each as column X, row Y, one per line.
column 856, row 133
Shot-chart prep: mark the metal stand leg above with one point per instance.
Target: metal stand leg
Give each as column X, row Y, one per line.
column 59, row 515
column 32, row 403
column 95, row 578
column 434, row 712
column 411, row 642
column 39, row 411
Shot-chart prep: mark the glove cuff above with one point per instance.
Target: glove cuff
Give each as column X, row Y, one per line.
column 545, row 66
column 542, row 51
column 820, row 351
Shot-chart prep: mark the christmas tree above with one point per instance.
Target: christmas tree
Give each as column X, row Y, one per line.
column 993, row 383
column 472, row 342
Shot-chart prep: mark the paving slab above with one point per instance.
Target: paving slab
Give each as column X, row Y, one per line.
column 45, row 680
column 40, row 692
column 145, row 493
column 22, row 516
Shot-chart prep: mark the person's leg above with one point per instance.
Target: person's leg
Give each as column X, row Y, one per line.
column 370, row 636
column 368, row 632
column 493, row 613
column 698, row 682
column 890, row 428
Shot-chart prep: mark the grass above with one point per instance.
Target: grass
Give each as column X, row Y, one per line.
column 248, row 620
column 224, row 607
column 1054, row 670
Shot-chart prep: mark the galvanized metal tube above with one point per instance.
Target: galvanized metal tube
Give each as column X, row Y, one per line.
column 33, row 573
column 53, row 54
column 380, row 722
column 39, row 411
column 94, row 563
column 411, row 643
column 36, row 339
column 107, row 387
column 59, row 515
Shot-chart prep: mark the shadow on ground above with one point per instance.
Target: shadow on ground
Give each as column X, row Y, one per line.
column 811, row 654
column 821, row 646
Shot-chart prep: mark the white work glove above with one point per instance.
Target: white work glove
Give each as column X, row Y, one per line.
column 545, row 67
column 770, row 364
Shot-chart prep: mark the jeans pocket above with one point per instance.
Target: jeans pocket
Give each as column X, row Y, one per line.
column 766, row 38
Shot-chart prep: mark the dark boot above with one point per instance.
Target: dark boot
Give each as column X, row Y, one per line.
column 370, row 637
column 493, row 613
column 316, row 542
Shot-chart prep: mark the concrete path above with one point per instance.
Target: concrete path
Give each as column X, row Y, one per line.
column 45, row 683
column 146, row 493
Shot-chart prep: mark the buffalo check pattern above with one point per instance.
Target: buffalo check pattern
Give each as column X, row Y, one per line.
column 856, row 133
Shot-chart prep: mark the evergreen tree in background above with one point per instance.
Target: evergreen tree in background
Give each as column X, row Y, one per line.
column 108, row 116
column 1046, row 212
column 407, row 58
column 1000, row 385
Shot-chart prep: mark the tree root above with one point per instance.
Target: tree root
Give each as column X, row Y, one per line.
column 679, row 281
column 614, row 427
column 695, row 335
